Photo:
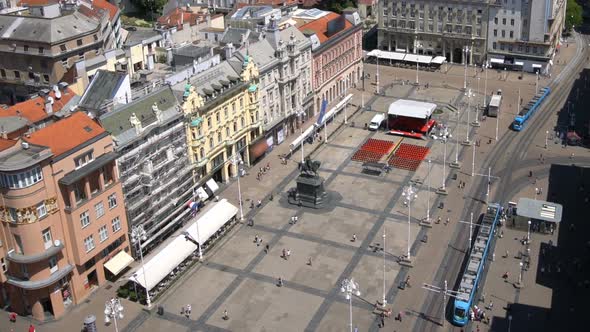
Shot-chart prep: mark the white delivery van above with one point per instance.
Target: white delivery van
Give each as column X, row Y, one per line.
column 376, row 122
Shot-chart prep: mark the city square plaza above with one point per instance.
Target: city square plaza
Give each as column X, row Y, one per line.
column 342, row 240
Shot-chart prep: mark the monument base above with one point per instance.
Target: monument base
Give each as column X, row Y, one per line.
column 426, row 223
column 309, row 192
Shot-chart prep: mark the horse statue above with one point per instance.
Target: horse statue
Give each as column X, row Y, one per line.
column 309, row 167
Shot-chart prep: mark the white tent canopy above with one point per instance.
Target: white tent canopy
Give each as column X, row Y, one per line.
column 386, row 55
column 301, row 137
column 411, row 57
column 337, row 108
column 439, row 60
column 425, row 59
column 179, row 249
column 411, row 109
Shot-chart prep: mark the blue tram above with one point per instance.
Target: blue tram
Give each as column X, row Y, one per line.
column 472, row 274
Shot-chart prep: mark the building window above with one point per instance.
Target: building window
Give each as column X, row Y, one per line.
column 211, row 143
column 495, row 33
column 503, row 33
column 41, row 210
column 217, row 118
column 225, row 115
column 17, row 74
column 46, row 78
column 13, row 214
column 504, row 21
column 495, row 20
column 3, row 73
column 534, row 49
column 62, row 47
column 511, row 34
column 22, row 179
column 502, row 47
column 511, row 21
column 227, row 132
column 219, row 138
column 89, row 243
column 79, row 192
column 84, row 159
column 47, row 240
column 112, row 200
column 103, row 234
column 85, row 219
column 116, row 224
column 3, row 265
column 26, row 48
column 79, row 42
column 99, row 208
column 494, row 45
column 41, row 50
column 527, row 49
column 53, row 264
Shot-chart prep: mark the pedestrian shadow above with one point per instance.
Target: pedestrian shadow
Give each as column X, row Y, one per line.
column 421, row 315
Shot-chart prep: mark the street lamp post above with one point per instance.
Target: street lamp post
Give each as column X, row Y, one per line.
column 349, row 287
column 426, row 222
column 546, row 138
column 473, row 161
column 467, row 141
column 475, row 122
column 443, row 135
column 465, row 51
column 384, row 300
column 519, row 284
column 409, row 195
column 456, row 163
column 509, row 322
column 238, row 163
column 528, row 233
column 537, row 83
column 485, row 86
column 377, row 74
column 113, row 310
column 417, row 82
column 138, row 235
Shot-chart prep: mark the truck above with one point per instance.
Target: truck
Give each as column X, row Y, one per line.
column 494, row 105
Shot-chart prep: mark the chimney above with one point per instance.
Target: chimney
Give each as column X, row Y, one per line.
column 49, row 105
column 3, row 133
column 229, row 50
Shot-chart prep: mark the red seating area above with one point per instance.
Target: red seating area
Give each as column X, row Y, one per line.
column 408, row 156
column 373, row 150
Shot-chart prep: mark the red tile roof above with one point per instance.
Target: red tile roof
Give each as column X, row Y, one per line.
column 6, row 143
column 178, row 16
column 64, row 135
column 320, row 26
column 34, row 109
column 109, row 7
column 279, row 2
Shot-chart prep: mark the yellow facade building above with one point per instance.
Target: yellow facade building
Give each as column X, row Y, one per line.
column 221, row 106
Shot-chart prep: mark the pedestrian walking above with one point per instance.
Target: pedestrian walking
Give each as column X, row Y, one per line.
column 225, row 315
column 188, row 310
column 399, row 316
column 408, row 281
column 266, row 249
column 256, row 237
column 382, row 319
column 280, row 282
column 493, row 257
column 259, row 203
column 251, row 204
column 309, row 261
column 353, row 238
column 284, row 253
column 288, row 253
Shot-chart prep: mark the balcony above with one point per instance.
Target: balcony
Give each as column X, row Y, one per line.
column 28, row 259
column 38, row 284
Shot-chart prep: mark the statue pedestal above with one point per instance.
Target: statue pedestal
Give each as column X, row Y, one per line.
column 309, row 192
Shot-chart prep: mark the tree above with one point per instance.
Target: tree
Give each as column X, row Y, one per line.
column 573, row 14
column 151, row 7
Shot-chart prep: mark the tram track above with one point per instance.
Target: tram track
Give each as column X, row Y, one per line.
column 504, row 153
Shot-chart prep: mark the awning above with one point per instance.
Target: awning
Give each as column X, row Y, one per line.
column 425, row 59
column 536, row 65
column 496, row 60
column 337, row 108
column 118, row 262
column 439, row 60
column 518, row 63
column 179, row 249
column 212, row 185
column 202, row 193
column 258, row 149
column 411, row 57
column 297, row 142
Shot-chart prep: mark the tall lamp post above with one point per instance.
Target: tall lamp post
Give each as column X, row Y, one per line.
column 443, row 135
column 138, row 235
column 377, row 74
column 384, row 300
column 467, row 141
column 466, row 51
column 528, row 233
column 456, row 163
column 475, row 122
column 426, row 222
column 546, row 138
column 239, row 164
column 485, row 85
column 349, row 287
column 409, row 195
column 113, row 310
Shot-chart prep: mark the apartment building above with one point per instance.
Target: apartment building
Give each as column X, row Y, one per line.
column 40, row 46
column 337, row 52
column 221, row 106
column 62, row 219
column 283, row 58
column 154, row 168
column 454, row 29
column 524, row 34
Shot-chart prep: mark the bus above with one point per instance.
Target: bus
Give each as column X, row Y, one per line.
column 494, row 106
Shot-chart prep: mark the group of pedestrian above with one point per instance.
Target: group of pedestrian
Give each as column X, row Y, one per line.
column 286, row 254
column 263, row 171
column 186, row 311
column 294, row 220
column 257, row 240
column 461, row 184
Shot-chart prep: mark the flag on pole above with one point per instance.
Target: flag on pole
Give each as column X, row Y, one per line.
column 322, row 112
